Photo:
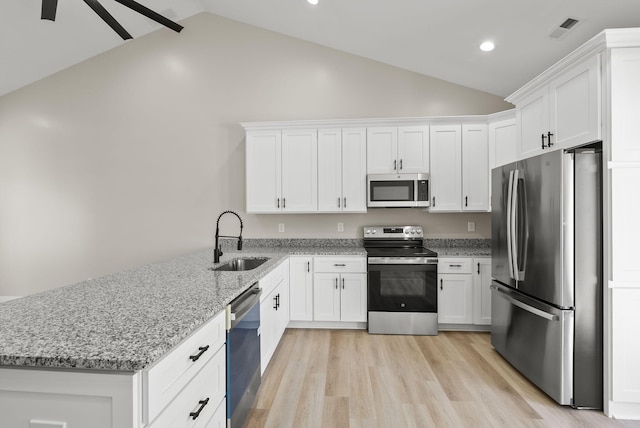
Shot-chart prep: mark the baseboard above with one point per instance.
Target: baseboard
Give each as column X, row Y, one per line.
column 625, row 411
column 334, row 325
column 7, row 298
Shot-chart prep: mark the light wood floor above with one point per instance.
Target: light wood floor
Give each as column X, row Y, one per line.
column 348, row 378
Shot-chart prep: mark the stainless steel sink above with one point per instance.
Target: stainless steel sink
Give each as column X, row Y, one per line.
column 241, row 264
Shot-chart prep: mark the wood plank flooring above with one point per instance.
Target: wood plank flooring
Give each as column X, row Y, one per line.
column 348, row 378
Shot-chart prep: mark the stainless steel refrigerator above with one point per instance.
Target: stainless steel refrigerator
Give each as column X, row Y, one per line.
column 546, row 291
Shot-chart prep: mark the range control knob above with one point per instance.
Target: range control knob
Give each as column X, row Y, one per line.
column 374, row 231
column 368, row 231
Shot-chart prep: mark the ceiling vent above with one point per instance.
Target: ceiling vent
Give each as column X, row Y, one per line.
column 562, row 29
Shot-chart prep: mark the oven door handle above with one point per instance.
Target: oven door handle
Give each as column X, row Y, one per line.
column 402, row 261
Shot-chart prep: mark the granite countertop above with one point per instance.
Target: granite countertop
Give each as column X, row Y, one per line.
column 127, row 320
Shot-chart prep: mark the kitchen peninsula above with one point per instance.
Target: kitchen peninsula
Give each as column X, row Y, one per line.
column 85, row 351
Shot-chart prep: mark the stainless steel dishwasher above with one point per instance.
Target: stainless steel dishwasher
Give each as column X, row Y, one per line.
column 243, row 355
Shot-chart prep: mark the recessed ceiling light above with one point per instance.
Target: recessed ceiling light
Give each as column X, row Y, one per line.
column 487, row 46
column 313, row 2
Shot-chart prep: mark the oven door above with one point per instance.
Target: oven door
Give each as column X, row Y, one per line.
column 397, row 287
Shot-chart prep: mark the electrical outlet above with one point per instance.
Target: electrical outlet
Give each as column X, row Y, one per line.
column 471, row 226
column 340, row 227
column 281, row 227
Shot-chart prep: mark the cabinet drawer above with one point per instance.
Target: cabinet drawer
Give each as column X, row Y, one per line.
column 351, row 264
column 273, row 278
column 206, row 392
column 165, row 379
column 454, row 265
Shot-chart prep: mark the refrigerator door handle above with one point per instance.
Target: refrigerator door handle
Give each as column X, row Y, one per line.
column 516, row 220
column 522, row 305
column 510, row 225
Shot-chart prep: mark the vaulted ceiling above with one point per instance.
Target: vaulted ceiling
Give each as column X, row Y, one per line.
column 435, row 38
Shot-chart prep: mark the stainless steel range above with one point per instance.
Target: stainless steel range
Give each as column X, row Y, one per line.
column 402, row 281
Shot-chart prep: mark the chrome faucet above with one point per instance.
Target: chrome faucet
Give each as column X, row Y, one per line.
column 217, row 252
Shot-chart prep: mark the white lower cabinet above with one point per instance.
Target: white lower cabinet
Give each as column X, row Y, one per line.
column 463, row 293
column 187, row 386
column 274, row 311
column 482, row 290
column 340, row 289
column 188, row 382
column 301, row 288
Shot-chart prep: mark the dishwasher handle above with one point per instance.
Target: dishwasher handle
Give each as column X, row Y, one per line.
column 241, row 306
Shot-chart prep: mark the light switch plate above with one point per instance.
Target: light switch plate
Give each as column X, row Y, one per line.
column 340, row 227
column 281, row 227
column 471, row 226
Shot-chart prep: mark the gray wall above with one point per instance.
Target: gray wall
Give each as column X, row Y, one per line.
column 129, row 157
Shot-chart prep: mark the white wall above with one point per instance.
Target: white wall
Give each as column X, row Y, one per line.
column 129, row 157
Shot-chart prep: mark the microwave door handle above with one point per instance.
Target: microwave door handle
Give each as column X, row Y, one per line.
column 509, row 224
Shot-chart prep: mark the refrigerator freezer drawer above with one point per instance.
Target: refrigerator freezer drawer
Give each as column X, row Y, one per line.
column 537, row 339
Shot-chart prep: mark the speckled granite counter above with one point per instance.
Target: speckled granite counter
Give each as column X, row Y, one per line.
column 460, row 247
column 128, row 320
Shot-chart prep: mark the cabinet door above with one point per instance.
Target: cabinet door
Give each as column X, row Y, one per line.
column 300, row 288
column 330, row 170
column 455, row 298
column 326, row 297
column 482, row 290
column 502, row 143
column 300, row 170
column 475, row 168
column 353, row 297
column 267, row 329
column 413, row 149
column 382, row 150
column 263, row 172
column 575, row 105
column 354, row 170
column 446, row 177
column 532, row 116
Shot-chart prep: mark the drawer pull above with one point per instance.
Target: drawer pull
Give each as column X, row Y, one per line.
column 455, row 266
column 339, row 264
column 202, row 403
column 202, row 350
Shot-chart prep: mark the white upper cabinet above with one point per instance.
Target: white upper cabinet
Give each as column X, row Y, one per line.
column 282, row 171
column 402, row 150
column 264, row 171
column 475, row 168
column 446, row 162
column 300, row 170
column 382, row 150
column 413, row 149
column 562, row 113
column 342, row 170
column 502, row 142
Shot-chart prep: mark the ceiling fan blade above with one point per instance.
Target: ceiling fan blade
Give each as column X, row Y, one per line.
column 108, row 18
column 49, row 8
column 143, row 10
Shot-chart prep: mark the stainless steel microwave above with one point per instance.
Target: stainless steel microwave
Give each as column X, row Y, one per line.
column 397, row 190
